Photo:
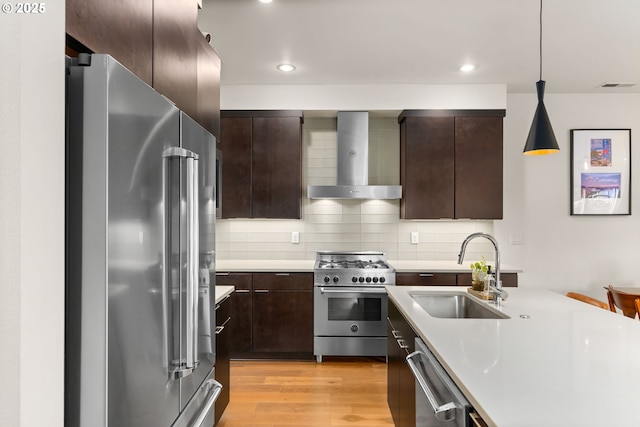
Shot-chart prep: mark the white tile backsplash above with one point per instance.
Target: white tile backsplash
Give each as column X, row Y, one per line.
column 349, row 224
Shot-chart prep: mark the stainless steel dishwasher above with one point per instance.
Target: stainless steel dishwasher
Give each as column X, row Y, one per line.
column 439, row 402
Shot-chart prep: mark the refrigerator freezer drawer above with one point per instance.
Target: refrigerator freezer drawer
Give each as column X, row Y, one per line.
column 199, row 412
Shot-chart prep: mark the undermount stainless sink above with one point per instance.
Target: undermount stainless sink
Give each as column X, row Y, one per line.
column 453, row 305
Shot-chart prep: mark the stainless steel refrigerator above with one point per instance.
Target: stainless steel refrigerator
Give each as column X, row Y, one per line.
column 140, row 323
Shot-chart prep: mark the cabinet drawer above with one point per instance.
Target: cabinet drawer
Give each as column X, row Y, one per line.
column 426, row 279
column 283, row 281
column 241, row 281
column 509, row 280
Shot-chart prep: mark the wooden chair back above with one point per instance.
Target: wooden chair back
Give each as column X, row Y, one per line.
column 628, row 303
column 588, row 300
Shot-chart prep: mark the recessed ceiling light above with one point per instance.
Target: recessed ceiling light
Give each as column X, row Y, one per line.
column 286, row 68
column 467, row 68
column 265, row 1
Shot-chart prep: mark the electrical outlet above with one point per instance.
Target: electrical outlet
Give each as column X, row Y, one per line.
column 415, row 239
column 295, row 237
column 516, row 239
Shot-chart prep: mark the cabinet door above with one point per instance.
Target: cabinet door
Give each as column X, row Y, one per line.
column 276, row 180
column 427, row 167
column 283, row 312
column 223, row 324
column 235, row 143
column 121, row 28
column 241, row 311
column 395, row 357
column 208, row 88
column 478, row 172
column 406, row 409
column 426, row 279
column 175, row 52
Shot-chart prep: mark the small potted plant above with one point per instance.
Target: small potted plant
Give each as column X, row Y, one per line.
column 478, row 274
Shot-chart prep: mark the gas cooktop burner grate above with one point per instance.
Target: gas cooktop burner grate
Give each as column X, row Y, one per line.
column 352, row 269
column 357, row 264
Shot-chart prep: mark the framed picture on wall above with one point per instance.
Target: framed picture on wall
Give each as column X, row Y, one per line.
column 600, row 171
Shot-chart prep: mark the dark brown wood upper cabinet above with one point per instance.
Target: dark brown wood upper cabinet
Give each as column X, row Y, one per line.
column 159, row 41
column 235, row 143
column 175, row 52
column 261, row 164
column 479, row 170
column 208, row 87
column 120, row 28
column 451, row 164
column 427, row 167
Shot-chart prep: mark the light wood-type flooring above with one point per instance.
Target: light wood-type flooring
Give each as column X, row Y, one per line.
column 345, row 391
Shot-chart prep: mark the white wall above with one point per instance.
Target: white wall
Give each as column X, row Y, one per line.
column 32, row 217
column 560, row 251
column 362, row 97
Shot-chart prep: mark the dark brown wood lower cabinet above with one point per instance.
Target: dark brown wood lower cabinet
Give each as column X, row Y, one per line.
column 241, row 311
column 401, row 392
column 426, row 279
column 223, row 366
column 272, row 313
column 283, row 312
column 509, row 280
column 448, row 279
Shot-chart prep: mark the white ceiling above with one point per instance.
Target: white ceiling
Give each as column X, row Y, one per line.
column 585, row 42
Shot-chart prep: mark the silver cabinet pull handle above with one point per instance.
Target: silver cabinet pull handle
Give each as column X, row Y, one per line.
column 261, row 291
column 396, row 334
column 426, row 274
column 283, row 274
column 444, row 412
column 242, row 291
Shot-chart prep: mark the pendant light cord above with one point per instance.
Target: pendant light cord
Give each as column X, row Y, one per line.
column 540, row 39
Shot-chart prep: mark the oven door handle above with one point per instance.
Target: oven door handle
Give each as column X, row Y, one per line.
column 362, row 290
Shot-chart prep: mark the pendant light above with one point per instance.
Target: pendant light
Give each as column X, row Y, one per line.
column 541, row 139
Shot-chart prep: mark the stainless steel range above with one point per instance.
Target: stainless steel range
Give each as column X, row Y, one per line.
column 350, row 303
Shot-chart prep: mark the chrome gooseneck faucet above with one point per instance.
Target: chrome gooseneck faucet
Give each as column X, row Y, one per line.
column 497, row 290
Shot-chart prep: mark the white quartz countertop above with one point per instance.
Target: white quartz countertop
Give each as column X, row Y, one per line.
column 307, row 266
column 444, row 266
column 567, row 364
column 260, row 265
column 222, row 292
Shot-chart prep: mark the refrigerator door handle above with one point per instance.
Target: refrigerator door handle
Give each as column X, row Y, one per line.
column 192, row 261
column 215, row 388
column 187, row 361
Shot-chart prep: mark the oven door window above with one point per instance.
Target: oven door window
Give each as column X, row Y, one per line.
column 357, row 308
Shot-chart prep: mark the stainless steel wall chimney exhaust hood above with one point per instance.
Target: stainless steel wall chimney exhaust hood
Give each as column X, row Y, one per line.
column 353, row 164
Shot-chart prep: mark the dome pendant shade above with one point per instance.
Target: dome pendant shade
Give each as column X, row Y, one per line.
column 541, row 139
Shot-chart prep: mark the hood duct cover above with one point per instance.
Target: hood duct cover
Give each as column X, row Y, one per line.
column 353, row 164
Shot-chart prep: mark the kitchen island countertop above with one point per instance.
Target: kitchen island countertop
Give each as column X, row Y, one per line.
column 566, row 364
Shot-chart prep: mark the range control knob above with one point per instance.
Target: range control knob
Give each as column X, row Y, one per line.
column 354, row 279
column 368, row 279
column 375, row 280
column 361, row 280
column 382, row 280
column 354, row 328
column 326, row 279
column 336, row 279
